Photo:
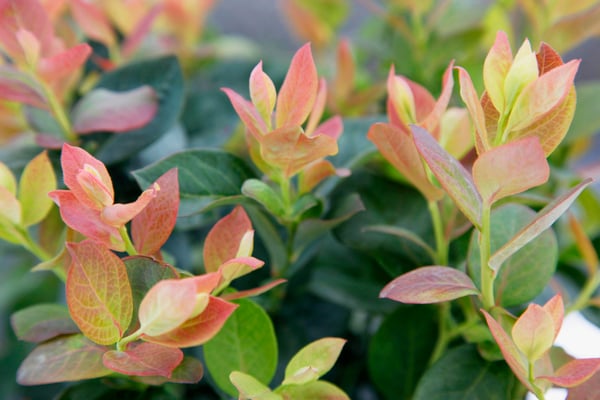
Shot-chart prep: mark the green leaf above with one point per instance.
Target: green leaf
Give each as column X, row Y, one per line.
column 526, row 273
column 164, row 75
column 313, row 361
column 41, row 322
column 250, row 388
column 203, row 174
column 246, row 343
column 399, row 352
column 36, row 181
column 461, row 374
column 317, row 390
column 265, row 195
column 67, row 358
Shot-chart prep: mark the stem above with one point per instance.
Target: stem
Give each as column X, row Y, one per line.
column 129, row 248
column 537, row 391
column 441, row 243
column 585, row 295
column 122, row 344
column 33, row 247
column 58, row 111
column 487, row 274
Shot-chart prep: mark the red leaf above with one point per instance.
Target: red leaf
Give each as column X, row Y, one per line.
column 151, row 228
column 65, row 63
column 298, row 91
column 190, row 370
column 144, row 359
column 98, row 292
column 574, row 372
column 67, row 358
column 429, row 285
column 223, row 241
column 200, row 329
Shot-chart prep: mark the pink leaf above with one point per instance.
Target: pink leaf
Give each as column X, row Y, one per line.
column 510, row 169
column 223, row 241
column 318, row 108
column 544, row 219
column 144, row 359
column 556, row 309
column 15, row 86
column 98, row 292
column 262, row 93
column 333, row 127
column 200, row 329
column 128, row 110
column 252, row 292
column 65, row 63
column 533, row 332
column 92, row 20
column 574, row 372
column 190, row 370
column 151, row 228
column 432, row 121
column 512, row 356
column 239, row 266
column 119, row 214
column 399, row 149
column 455, row 179
column 427, row 285
column 298, row 91
column 471, row 99
column 248, row 113
column 66, row 358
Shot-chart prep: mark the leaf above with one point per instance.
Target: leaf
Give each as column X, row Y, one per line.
column 426, row 285
column 41, row 322
column 411, row 344
column 200, row 329
column 251, row 347
column 535, row 263
column 313, row 361
column 574, row 373
column 262, row 93
column 98, row 292
column 226, row 239
column 65, row 63
column 252, row 292
column 544, row 219
column 510, row 169
column 16, row 86
column 165, row 77
column 471, row 99
column 202, row 173
column 152, row 227
column 462, row 374
column 128, row 110
column 298, row 91
column 317, row 390
column 495, row 68
column 93, row 21
column 66, row 358
column 533, row 332
column 248, row 113
column 265, row 195
column 36, row 181
column 144, row 359
column 455, row 179
column 250, row 388
column 586, row 390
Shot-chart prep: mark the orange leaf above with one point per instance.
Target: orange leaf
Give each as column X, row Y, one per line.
column 248, row 113
column 298, row 91
column 151, row 228
column 469, row 96
column 98, row 292
column 225, row 238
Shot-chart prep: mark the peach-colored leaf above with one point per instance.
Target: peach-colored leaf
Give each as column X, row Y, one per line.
column 512, row 356
column 401, row 101
column 28, row 15
column 346, row 72
column 543, row 220
column 495, row 68
column 587, row 390
column 556, row 309
column 200, row 329
column 332, row 127
column 190, row 370
column 128, row 110
column 314, row 174
column 167, row 305
column 290, row 150
column 119, row 214
column 248, row 113
column 298, row 91
column 510, row 169
column 98, row 292
column 574, row 372
column 206, row 283
column 432, row 121
column 37, row 180
column 92, row 20
column 73, row 160
column 86, row 220
column 65, row 63
column 399, row 149
column 427, row 285
column 252, row 292
column 239, row 266
column 455, row 179
column 144, row 359
column 469, row 96
column 151, row 228
column 224, row 239
column 318, row 108
column 542, row 95
column 66, row 358
column 533, row 333
column 262, row 93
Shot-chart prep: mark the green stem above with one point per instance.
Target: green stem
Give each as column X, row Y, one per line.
column 536, row 390
column 33, row 247
column 585, row 295
column 129, row 248
column 122, row 344
column 487, row 274
column 59, row 112
column 441, row 243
